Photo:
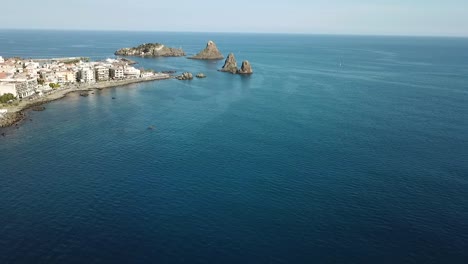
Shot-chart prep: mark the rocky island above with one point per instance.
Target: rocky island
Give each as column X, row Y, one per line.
column 246, row 68
column 230, row 65
column 211, row 52
column 151, row 50
column 185, row 76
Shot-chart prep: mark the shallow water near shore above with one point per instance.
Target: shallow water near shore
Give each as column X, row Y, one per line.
column 337, row 149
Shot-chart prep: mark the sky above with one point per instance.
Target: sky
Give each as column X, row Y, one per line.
column 360, row 17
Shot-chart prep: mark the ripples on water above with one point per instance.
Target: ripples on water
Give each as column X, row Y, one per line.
column 305, row 161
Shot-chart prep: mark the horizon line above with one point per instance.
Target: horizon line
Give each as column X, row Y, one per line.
column 239, row 32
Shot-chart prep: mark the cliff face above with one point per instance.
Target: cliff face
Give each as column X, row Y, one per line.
column 230, row 65
column 211, row 52
column 246, row 68
column 151, row 50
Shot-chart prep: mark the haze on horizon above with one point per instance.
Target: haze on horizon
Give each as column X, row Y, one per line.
column 366, row 17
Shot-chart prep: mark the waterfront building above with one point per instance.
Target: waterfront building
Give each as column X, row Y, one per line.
column 1, row 59
column 116, row 73
column 86, row 75
column 18, row 87
column 131, row 72
column 7, row 87
column 101, row 73
column 65, row 76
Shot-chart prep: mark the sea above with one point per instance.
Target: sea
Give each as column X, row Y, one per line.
column 338, row 149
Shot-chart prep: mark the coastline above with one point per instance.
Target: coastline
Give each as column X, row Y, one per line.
column 16, row 113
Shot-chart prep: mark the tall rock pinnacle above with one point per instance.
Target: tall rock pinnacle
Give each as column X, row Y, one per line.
column 246, row 68
column 211, row 52
column 230, row 65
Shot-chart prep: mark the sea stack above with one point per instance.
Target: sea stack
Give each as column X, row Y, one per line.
column 246, row 68
column 230, row 65
column 211, row 52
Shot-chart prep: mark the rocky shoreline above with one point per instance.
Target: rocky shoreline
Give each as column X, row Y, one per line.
column 151, row 50
column 17, row 113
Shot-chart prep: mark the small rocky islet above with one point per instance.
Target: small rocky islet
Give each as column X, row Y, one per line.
column 151, row 50
column 185, row 76
column 210, row 52
column 230, row 65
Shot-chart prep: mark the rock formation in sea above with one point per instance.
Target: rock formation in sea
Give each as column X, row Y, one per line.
column 211, row 52
column 11, row 118
column 38, row 108
column 185, row 76
column 151, row 50
column 230, row 64
column 246, row 68
column 200, row 75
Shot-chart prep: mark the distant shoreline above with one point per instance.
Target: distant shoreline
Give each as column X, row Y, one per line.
column 16, row 113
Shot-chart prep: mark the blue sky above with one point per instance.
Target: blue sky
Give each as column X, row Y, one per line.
column 377, row 17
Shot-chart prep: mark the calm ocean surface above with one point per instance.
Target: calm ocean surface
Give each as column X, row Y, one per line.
column 305, row 161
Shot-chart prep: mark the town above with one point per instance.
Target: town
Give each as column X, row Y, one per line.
column 32, row 78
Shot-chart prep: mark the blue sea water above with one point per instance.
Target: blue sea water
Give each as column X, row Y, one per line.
column 338, row 149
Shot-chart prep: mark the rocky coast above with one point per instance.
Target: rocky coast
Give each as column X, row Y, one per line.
column 151, row 50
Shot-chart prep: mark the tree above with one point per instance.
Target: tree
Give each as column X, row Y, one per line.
column 54, row 85
column 6, row 97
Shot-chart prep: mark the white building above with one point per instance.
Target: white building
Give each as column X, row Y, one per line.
column 1, row 59
column 7, row 87
column 18, row 87
column 116, row 73
column 131, row 72
column 101, row 73
column 65, row 77
column 86, row 75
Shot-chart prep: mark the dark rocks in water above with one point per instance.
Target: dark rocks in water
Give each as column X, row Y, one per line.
column 230, row 64
column 9, row 119
column 211, row 52
column 3, row 134
column 200, row 75
column 113, row 97
column 185, row 76
column 246, row 68
column 38, row 108
column 84, row 94
column 169, row 72
column 151, row 50
column 152, row 127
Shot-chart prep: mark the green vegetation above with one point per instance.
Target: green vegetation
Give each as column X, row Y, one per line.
column 54, row 85
column 6, row 97
column 76, row 60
